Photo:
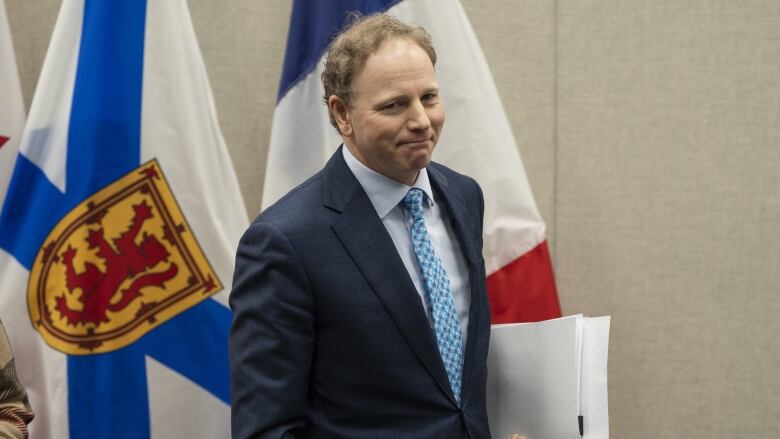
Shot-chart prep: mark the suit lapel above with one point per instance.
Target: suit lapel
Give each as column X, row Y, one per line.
column 365, row 238
column 462, row 221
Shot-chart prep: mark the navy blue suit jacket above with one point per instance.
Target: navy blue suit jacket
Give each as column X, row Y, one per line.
column 329, row 337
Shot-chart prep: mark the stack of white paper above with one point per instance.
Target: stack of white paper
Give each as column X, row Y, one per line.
column 542, row 377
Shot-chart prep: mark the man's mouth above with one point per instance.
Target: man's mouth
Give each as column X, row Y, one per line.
column 416, row 143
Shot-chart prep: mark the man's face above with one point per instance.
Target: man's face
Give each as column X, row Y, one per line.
column 396, row 114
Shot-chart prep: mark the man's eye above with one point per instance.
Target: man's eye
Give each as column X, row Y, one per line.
column 391, row 106
column 430, row 97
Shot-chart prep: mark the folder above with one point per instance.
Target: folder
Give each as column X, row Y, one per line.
column 548, row 380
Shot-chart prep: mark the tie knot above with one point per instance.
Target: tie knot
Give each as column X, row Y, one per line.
column 413, row 202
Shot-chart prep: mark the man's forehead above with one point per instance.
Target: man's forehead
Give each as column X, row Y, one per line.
column 397, row 48
column 397, row 64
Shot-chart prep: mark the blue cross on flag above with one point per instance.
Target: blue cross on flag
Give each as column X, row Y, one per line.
column 118, row 231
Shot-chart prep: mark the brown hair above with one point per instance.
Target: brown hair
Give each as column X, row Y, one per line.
column 360, row 38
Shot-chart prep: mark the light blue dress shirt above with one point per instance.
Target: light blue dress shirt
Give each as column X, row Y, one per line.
column 386, row 195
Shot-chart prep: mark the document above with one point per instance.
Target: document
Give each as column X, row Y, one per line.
column 548, row 380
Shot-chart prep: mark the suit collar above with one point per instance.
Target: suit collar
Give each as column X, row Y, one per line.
column 340, row 185
column 462, row 218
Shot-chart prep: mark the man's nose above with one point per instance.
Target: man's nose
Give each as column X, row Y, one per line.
column 418, row 117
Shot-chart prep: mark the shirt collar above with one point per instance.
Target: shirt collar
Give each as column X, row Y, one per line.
column 384, row 192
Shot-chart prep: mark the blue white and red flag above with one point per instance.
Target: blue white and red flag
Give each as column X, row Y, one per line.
column 477, row 140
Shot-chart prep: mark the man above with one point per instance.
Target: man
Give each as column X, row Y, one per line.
column 359, row 298
column 15, row 411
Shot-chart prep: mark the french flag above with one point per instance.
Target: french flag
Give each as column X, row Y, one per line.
column 123, row 96
column 477, row 140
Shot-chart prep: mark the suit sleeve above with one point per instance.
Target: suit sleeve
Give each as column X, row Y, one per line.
column 272, row 337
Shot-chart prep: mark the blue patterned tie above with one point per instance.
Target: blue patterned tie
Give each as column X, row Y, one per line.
column 438, row 291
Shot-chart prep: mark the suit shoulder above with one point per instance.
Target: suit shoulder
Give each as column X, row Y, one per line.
column 302, row 204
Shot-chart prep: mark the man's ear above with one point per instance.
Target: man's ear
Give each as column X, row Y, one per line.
column 340, row 112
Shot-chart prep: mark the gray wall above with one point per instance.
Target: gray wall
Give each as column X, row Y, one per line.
column 651, row 135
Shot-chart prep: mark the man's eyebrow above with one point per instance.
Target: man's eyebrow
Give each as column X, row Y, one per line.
column 401, row 96
column 390, row 98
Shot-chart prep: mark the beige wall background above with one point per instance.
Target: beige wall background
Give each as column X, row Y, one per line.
column 651, row 135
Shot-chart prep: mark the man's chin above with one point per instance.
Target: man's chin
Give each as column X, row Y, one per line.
column 418, row 163
column 419, row 158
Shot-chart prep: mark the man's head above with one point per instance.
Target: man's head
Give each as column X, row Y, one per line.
column 382, row 95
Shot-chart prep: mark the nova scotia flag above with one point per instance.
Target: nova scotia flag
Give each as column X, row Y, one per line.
column 118, row 231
